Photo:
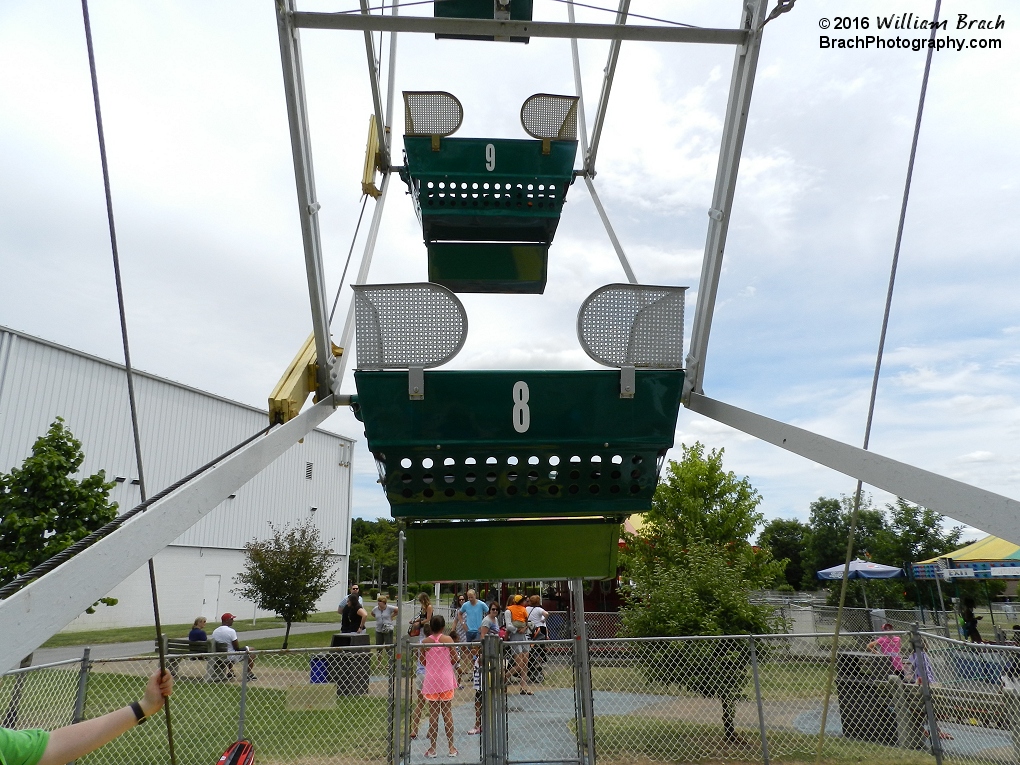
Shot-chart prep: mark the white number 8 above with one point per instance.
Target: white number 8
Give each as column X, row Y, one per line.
column 522, row 414
column 490, row 165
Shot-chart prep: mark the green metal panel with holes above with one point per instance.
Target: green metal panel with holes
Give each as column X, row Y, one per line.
column 484, row 267
column 498, row 444
column 520, row 10
column 488, row 189
column 506, row 550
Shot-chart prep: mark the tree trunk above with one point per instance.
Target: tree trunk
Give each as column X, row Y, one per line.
column 286, row 636
column 728, row 713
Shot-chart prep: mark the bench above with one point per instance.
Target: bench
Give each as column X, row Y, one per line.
column 176, row 649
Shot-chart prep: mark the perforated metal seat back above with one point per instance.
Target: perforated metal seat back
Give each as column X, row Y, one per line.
column 634, row 325
column 545, row 115
column 400, row 326
column 431, row 112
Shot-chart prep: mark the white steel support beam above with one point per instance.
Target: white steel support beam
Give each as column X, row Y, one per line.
column 377, row 106
column 985, row 510
column 741, row 85
column 308, row 206
column 366, row 264
column 582, row 124
column 607, row 86
column 612, row 234
column 391, row 75
column 492, row 28
column 30, row 616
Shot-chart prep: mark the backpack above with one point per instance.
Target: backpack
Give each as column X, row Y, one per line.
column 239, row 753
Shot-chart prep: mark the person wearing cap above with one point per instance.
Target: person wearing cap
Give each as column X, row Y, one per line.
column 517, row 633
column 226, row 634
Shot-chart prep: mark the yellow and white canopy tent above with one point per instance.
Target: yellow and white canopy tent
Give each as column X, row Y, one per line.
column 988, row 558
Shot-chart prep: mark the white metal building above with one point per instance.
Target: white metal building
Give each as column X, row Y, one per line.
column 181, row 429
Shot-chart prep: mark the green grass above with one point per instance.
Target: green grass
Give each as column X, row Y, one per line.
column 629, row 739
column 780, row 681
column 132, row 634
column 205, row 722
column 309, row 640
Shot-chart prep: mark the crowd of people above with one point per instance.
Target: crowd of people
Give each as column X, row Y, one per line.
column 442, row 666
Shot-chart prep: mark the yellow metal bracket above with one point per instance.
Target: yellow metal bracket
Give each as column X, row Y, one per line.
column 297, row 382
column 373, row 161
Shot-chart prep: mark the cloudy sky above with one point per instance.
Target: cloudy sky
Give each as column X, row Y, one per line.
column 203, row 188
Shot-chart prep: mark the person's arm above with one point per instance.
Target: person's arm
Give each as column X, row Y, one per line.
column 74, row 741
column 235, row 644
column 872, row 646
column 428, row 613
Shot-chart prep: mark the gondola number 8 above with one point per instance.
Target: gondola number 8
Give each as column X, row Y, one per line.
column 522, row 414
column 490, row 157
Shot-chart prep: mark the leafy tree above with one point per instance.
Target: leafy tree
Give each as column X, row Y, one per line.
column 44, row 509
column 698, row 499
column 287, row 573
column 697, row 589
column 690, row 571
column 829, row 524
column 786, row 540
column 918, row 534
column 896, row 535
column 374, row 543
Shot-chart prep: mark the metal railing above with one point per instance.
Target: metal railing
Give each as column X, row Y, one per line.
column 683, row 699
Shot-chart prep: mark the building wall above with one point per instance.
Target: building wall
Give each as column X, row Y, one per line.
column 181, row 574
column 181, row 429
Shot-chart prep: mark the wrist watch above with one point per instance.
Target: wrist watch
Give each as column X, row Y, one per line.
column 139, row 713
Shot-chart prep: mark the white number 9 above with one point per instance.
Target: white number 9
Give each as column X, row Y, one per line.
column 490, row 165
column 522, row 414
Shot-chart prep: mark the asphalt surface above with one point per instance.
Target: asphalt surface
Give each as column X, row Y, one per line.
column 137, row 648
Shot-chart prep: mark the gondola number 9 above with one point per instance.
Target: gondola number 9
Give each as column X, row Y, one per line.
column 522, row 414
column 490, row 162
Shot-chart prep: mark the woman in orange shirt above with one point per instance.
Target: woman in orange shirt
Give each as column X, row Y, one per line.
column 517, row 634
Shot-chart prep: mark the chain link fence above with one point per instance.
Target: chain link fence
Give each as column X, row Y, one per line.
column 896, row 696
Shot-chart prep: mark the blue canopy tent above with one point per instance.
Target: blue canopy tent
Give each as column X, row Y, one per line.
column 862, row 569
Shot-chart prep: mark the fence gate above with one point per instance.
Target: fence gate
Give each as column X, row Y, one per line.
column 540, row 725
column 543, row 721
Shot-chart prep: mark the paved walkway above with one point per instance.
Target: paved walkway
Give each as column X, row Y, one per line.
column 137, row 648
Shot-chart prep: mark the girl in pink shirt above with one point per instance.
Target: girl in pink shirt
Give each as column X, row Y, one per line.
column 440, row 682
column 890, row 646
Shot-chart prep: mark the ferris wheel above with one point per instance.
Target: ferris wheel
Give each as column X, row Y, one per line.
column 562, row 457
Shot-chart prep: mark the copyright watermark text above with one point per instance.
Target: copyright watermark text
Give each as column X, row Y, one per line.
column 892, row 32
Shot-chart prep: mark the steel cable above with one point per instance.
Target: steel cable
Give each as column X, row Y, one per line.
column 874, row 391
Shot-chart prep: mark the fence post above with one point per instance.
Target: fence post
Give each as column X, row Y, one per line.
column 494, row 722
column 582, row 669
column 397, row 656
column 757, row 697
column 410, row 693
column 79, row 698
column 83, row 682
column 244, row 697
column 921, row 669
